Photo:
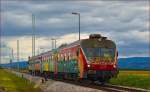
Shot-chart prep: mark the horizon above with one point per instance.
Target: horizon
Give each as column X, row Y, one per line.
column 24, row 60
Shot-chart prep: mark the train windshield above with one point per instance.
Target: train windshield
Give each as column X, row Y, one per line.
column 99, row 53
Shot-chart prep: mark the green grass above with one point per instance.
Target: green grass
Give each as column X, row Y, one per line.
column 11, row 83
column 139, row 79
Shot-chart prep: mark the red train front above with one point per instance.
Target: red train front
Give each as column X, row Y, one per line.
column 99, row 57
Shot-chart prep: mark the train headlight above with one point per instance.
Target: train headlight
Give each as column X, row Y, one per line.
column 88, row 65
column 114, row 65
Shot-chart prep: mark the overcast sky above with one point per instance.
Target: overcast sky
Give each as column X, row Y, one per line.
column 125, row 22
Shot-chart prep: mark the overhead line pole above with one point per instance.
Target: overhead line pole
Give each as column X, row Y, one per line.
column 79, row 26
column 0, row 47
column 33, row 35
column 12, row 57
column 12, row 53
column 149, row 24
column 10, row 60
column 18, row 53
column 33, row 38
column 53, row 43
column 75, row 13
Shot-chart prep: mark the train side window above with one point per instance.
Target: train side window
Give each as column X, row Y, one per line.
column 117, row 53
column 74, row 55
column 77, row 52
column 46, row 58
column 57, row 57
column 64, row 58
column 61, row 57
column 52, row 57
column 49, row 58
column 68, row 58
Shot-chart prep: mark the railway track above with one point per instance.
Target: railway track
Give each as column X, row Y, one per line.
column 96, row 85
column 123, row 88
column 106, row 87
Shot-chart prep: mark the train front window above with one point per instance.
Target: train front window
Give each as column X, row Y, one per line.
column 92, row 52
column 105, row 53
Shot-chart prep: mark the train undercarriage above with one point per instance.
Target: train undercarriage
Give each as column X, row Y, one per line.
column 101, row 76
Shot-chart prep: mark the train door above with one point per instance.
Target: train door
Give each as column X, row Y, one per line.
column 55, row 60
column 42, row 59
column 81, row 63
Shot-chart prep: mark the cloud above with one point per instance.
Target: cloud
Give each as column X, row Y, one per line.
column 56, row 16
column 125, row 22
column 18, row 19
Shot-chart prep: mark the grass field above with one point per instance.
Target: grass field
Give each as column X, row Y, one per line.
column 11, row 83
column 139, row 79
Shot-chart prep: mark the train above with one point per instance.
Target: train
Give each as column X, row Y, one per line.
column 94, row 58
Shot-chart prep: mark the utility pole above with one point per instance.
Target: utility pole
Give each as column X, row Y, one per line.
column 12, row 53
column 10, row 60
column 12, row 57
column 33, row 35
column 33, row 39
column 53, row 43
column 75, row 13
column 149, row 24
column 0, row 50
column 18, row 53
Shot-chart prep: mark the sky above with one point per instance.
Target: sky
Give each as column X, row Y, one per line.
column 124, row 22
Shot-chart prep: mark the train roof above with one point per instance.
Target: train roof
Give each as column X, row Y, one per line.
column 76, row 43
column 93, row 43
column 89, row 42
column 47, row 53
column 94, row 40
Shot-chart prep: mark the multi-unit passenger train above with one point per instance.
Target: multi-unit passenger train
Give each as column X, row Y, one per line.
column 93, row 59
